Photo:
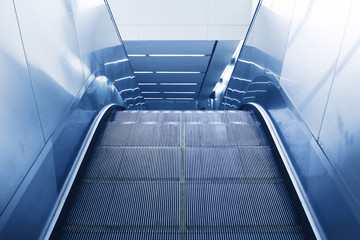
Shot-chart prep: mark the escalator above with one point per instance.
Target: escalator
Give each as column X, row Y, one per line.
column 182, row 175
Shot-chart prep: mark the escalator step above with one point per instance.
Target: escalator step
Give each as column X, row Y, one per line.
column 144, row 204
column 238, row 205
column 232, row 162
column 133, row 235
column 134, row 163
column 180, row 175
column 105, row 162
column 115, row 134
column 220, row 116
column 155, row 135
column 90, row 205
column 150, row 134
column 241, row 117
column 296, row 234
column 198, row 235
column 150, row 163
column 148, row 116
column 208, row 117
column 107, row 204
column 220, row 134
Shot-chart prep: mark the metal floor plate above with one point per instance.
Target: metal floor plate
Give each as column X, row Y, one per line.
column 180, row 175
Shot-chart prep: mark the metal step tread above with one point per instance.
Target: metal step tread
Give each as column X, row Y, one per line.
column 180, row 175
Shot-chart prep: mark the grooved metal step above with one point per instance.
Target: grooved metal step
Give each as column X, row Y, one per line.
column 180, row 175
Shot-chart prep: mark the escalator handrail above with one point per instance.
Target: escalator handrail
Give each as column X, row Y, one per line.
column 74, row 169
column 270, row 127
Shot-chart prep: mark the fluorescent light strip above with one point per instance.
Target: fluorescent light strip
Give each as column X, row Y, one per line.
column 118, row 61
column 177, row 55
column 147, row 84
column 180, row 92
column 140, row 72
column 153, row 98
column 178, row 84
column 126, row 90
column 124, row 78
column 137, row 55
column 150, row 92
column 180, row 98
column 169, row 72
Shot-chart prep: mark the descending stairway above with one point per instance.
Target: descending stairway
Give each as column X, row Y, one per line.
column 181, row 175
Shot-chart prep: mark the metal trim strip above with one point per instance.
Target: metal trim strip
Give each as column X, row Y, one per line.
column 74, row 170
column 289, row 167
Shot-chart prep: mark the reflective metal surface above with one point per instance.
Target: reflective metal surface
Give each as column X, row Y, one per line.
column 340, row 132
column 262, row 53
column 57, row 75
column 21, row 137
column 307, row 84
column 36, row 197
column 300, row 64
column 53, row 57
column 105, row 52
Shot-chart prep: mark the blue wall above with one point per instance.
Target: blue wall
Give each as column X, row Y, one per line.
column 300, row 62
column 60, row 63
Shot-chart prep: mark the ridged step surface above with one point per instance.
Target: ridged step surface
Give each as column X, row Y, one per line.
column 180, row 175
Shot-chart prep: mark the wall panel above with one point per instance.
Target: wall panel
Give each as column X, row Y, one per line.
column 21, row 137
column 340, row 133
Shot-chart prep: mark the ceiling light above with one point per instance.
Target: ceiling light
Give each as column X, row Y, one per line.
column 163, row 72
column 140, row 72
column 177, row 55
column 179, row 84
column 150, row 92
column 180, row 98
column 147, row 84
column 136, row 55
column 180, row 92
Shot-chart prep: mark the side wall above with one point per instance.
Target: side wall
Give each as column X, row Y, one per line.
column 60, row 63
column 300, row 62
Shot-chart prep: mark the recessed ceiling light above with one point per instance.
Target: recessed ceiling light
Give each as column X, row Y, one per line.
column 177, row 55
column 167, row 72
column 147, row 84
column 140, row 72
column 180, row 92
column 137, row 55
column 180, row 98
column 179, row 84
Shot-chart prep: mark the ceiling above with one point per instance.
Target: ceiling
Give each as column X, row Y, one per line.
column 182, row 19
column 175, row 70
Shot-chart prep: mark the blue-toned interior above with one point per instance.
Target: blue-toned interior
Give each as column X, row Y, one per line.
column 62, row 62
column 302, row 71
